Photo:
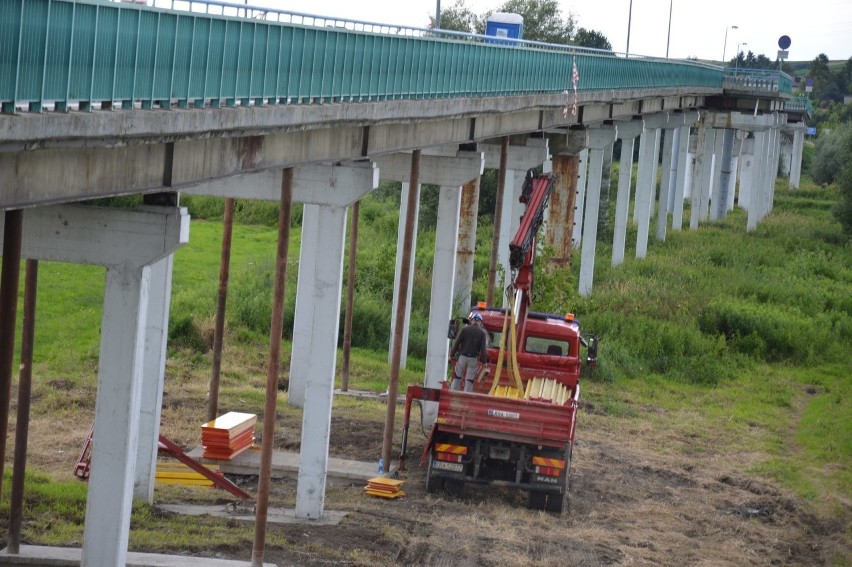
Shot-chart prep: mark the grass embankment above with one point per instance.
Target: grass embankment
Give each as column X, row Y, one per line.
column 737, row 341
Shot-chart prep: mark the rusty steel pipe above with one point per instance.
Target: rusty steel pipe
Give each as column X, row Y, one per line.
column 563, row 201
column 401, row 302
column 22, row 425
column 498, row 220
column 9, row 279
column 275, row 331
column 350, row 296
column 221, row 302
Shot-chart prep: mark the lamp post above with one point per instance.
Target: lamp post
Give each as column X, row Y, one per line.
column 737, row 57
column 669, row 36
column 725, row 45
column 438, row 15
column 629, row 18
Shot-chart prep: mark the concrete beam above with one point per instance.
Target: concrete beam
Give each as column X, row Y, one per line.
column 434, row 170
column 520, row 158
column 320, row 184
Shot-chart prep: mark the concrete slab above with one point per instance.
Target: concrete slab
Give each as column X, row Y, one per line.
column 43, row 556
column 341, row 472
column 274, row 515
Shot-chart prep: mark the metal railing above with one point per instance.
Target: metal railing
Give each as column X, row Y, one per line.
column 758, row 80
column 67, row 53
column 800, row 103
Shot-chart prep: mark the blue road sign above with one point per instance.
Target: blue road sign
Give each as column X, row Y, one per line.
column 784, row 41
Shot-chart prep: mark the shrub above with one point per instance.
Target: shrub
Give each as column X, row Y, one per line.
column 832, row 152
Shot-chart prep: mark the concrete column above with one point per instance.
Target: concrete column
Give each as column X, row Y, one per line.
column 796, row 157
column 666, row 181
column 521, row 158
column 153, row 377
column 720, row 209
column 397, row 274
column 735, row 161
column 646, row 188
column 596, row 139
column 716, row 175
column 441, row 306
column 755, row 188
column 681, row 183
column 606, row 178
column 785, row 156
column 329, row 237
column 691, row 165
column 465, row 253
column 125, row 242
column 303, row 320
column 627, row 132
column 580, row 202
column 747, row 172
column 707, row 173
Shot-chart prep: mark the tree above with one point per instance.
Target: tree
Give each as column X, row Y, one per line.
column 458, row 17
column 591, row 38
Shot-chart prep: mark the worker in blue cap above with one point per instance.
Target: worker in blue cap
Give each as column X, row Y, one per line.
column 470, row 348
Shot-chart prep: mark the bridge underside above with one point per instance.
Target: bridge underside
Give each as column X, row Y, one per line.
column 62, row 157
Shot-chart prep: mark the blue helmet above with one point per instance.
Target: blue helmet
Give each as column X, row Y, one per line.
column 476, row 317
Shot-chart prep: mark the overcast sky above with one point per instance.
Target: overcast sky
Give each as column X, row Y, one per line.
column 697, row 28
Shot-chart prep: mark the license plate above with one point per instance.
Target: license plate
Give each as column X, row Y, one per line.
column 446, row 466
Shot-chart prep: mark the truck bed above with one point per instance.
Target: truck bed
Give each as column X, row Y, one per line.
column 509, row 419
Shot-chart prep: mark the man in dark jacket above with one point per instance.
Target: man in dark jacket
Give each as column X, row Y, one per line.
column 471, row 347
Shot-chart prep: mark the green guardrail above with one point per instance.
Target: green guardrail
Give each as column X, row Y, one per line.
column 800, row 103
column 758, row 80
column 69, row 54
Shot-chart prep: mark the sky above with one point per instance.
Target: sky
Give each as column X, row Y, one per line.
column 814, row 26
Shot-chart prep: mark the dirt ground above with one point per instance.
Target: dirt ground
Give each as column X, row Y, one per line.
column 632, row 504
column 635, row 501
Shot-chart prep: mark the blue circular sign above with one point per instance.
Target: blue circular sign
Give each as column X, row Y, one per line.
column 784, row 41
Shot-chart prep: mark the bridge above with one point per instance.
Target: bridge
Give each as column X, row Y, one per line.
column 102, row 99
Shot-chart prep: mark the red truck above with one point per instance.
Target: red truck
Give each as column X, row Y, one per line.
column 516, row 428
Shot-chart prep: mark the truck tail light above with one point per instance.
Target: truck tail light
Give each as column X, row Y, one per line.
column 550, row 467
column 450, row 453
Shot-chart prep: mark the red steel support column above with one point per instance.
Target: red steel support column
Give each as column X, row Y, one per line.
column 560, row 218
column 9, row 279
column 350, row 296
column 16, row 505
column 221, row 301
column 402, row 301
column 275, row 331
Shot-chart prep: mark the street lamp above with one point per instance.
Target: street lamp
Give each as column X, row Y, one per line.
column 725, row 45
column 629, row 18
column 737, row 57
column 669, row 37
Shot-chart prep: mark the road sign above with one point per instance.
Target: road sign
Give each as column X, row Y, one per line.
column 784, row 42
column 811, row 130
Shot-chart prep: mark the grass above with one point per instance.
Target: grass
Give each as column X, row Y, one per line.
column 720, row 341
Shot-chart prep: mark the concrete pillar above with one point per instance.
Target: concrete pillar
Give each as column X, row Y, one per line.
column 441, row 306
column 681, row 182
column 303, row 320
column 126, row 242
column 328, row 238
column 580, row 201
column 716, row 175
column 746, row 172
column 796, row 157
column 669, row 165
column 153, row 375
column 397, row 274
column 755, row 188
column 521, row 158
column 646, row 184
column 707, row 173
column 735, row 161
column 720, row 208
column 603, row 211
column 465, row 252
column 691, row 165
column 560, row 219
column 627, row 132
column 597, row 139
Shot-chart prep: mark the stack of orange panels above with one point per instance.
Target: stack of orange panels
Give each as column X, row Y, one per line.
column 228, row 435
column 384, row 487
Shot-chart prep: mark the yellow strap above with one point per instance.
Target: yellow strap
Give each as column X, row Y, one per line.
column 516, row 373
column 499, row 370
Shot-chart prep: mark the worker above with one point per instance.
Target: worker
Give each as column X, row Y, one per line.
column 470, row 348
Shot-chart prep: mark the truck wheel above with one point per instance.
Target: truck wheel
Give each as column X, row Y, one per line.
column 432, row 484
column 557, row 503
column 536, row 500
